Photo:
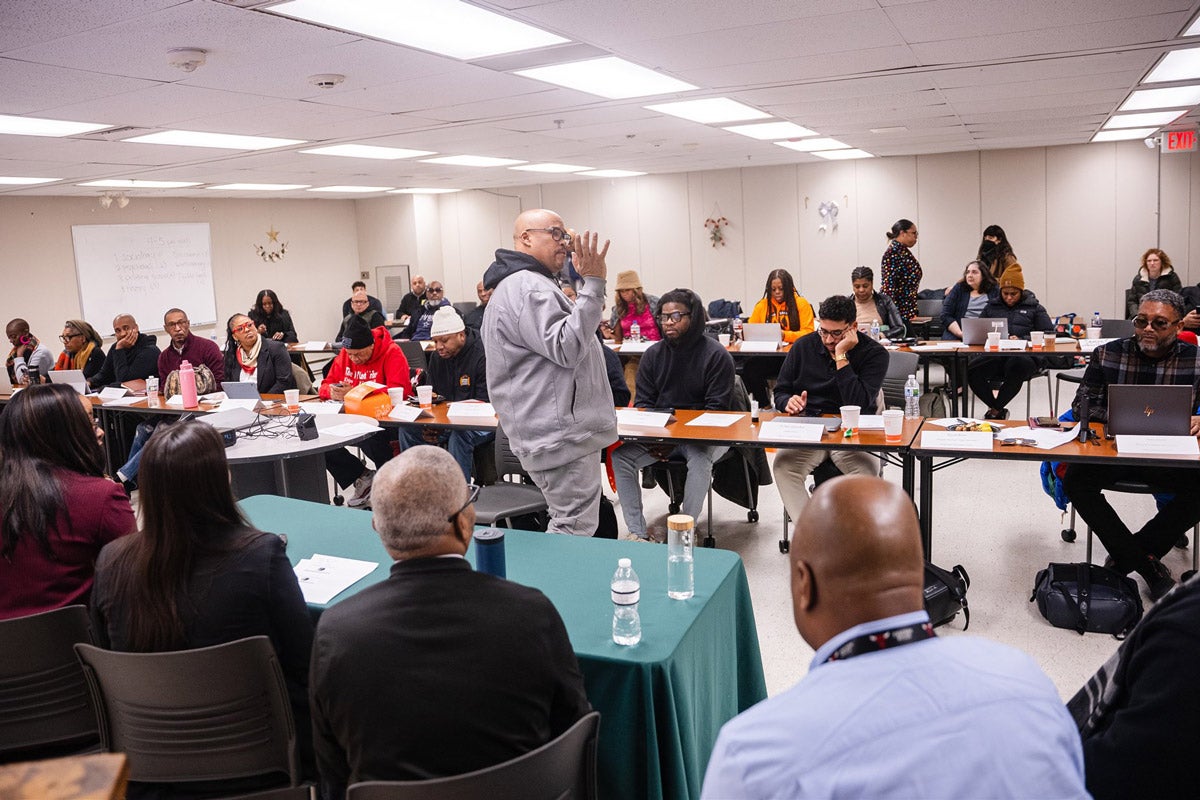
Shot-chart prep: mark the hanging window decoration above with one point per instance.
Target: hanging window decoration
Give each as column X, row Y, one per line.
column 716, row 225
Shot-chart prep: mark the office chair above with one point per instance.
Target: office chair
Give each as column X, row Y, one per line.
column 506, row 499
column 1111, row 329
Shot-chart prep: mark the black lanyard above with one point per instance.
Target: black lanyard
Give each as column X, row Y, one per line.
column 874, row 642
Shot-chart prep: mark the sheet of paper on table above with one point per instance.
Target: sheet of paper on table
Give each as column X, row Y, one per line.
column 121, row 401
column 315, row 345
column 408, row 413
column 1157, row 445
column 642, row 419
column 1046, row 438
column 320, row 407
column 470, row 408
column 348, row 429
column 636, row 347
column 936, row 346
column 870, row 422
column 323, row 578
column 758, row 347
column 710, row 420
column 247, row 404
column 113, row 392
column 957, row 440
column 782, row 430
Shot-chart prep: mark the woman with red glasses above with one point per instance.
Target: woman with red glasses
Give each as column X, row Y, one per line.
column 250, row 357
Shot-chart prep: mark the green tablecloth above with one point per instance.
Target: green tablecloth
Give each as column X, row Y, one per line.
column 662, row 701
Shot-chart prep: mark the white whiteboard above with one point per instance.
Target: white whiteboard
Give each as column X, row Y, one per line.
column 144, row 270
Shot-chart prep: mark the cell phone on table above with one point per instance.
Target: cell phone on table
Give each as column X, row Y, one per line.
column 1045, row 422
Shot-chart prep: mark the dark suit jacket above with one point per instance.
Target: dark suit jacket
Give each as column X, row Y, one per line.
column 274, row 372
column 437, row 671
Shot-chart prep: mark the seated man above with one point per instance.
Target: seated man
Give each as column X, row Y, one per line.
column 133, row 357
column 372, row 302
column 685, row 370
column 457, row 371
column 439, row 670
column 26, row 352
column 422, row 320
column 360, row 306
column 1137, row 714
column 474, row 318
column 825, row 370
column 410, row 304
column 369, row 355
column 889, row 709
column 1153, row 355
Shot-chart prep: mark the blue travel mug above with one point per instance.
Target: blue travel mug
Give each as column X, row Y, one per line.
column 489, row 552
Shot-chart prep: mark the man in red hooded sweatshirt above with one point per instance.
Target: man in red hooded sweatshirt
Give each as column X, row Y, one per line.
column 366, row 355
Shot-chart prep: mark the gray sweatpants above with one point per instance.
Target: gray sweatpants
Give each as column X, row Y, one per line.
column 573, row 493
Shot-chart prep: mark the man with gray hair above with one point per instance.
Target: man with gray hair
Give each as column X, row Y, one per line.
column 438, row 670
column 1153, row 355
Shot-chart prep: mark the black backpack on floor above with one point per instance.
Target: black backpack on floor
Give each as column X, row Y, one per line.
column 946, row 594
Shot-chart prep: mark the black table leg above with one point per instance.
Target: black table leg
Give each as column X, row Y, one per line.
column 926, row 504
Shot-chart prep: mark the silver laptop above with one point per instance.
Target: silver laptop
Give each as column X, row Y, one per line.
column 235, row 419
column 976, row 329
column 71, row 377
column 6, row 386
column 241, row 390
column 1149, row 410
column 762, row 332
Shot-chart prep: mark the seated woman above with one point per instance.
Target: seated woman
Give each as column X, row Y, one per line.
column 1024, row 314
column 272, row 319
column 873, row 305
column 1156, row 272
column 197, row 574
column 783, row 305
column 631, row 305
column 58, row 509
column 966, row 299
column 250, row 357
column 82, row 348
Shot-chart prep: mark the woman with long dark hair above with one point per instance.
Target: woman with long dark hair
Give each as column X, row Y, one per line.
column 899, row 270
column 250, row 357
column 967, row 298
column 995, row 252
column 197, row 573
column 272, row 319
column 57, row 510
column 783, row 305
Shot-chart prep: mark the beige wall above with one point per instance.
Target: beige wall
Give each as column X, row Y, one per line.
column 38, row 264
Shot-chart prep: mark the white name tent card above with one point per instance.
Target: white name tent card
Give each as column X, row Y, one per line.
column 957, row 440
column 113, row 392
column 636, row 347
column 1013, row 344
column 758, row 347
column 785, row 431
column 643, row 419
column 470, row 408
column 121, row 401
column 318, row 407
column 1157, row 445
column 315, row 345
column 870, row 422
column 407, row 413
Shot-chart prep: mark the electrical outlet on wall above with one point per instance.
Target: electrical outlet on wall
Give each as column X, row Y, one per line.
column 364, row 275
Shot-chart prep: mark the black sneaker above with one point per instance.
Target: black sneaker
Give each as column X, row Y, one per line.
column 1158, row 579
column 648, row 480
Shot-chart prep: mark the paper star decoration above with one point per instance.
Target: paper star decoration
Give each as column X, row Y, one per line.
column 273, row 234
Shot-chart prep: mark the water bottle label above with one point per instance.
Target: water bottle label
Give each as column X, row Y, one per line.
column 626, row 598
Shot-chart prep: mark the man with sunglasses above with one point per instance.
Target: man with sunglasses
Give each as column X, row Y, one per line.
column 829, row 368
column 545, row 368
column 685, row 370
column 1153, row 355
column 440, row 669
column 421, row 321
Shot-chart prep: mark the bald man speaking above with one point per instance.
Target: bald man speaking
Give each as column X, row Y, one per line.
column 545, row 366
column 889, row 709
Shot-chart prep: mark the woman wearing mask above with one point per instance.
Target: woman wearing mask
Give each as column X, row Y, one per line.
column 995, row 253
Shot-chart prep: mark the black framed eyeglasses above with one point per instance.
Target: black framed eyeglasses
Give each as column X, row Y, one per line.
column 832, row 335
column 472, row 496
column 673, row 317
column 1158, row 323
column 65, row 339
column 557, row 234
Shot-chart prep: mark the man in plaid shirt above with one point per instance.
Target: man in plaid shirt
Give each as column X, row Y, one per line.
column 1153, row 355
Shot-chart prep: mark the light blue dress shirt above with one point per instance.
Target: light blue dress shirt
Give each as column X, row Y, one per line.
column 949, row 717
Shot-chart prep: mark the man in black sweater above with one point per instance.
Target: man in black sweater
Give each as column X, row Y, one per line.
column 685, row 370
column 831, row 367
column 133, row 357
column 457, row 371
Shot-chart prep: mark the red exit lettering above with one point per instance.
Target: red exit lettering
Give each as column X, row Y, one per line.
column 1179, row 141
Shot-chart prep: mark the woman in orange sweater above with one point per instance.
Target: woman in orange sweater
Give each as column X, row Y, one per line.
column 783, row 305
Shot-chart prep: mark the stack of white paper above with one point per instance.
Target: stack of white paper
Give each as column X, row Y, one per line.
column 318, row 407
column 323, row 578
column 315, row 345
column 636, row 347
column 1045, row 438
column 642, row 419
column 348, row 429
column 470, row 408
column 957, row 440
column 121, row 401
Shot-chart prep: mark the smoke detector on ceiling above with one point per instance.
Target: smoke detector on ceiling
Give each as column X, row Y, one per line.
column 326, row 81
column 186, row 58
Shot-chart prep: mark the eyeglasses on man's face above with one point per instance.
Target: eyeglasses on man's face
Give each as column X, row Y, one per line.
column 673, row 317
column 472, row 496
column 179, row 323
column 434, row 290
column 1158, row 323
column 832, row 335
column 557, row 234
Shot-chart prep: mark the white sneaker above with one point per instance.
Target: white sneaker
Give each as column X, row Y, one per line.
column 362, row 490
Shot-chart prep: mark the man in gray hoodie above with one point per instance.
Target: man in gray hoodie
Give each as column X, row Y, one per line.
column 545, row 367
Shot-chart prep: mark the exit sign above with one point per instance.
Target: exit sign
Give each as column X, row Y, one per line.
column 1179, row 141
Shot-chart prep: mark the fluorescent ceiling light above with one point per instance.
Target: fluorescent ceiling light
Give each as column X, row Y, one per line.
column 26, row 181
column 1155, row 118
column 772, row 130
column 611, row 173
column 890, row 129
column 139, row 184
column 224, row 141
column 449, row 27
column 711, row 111
column 260, row 187
column 33, row 126
column 1177, row 65
column 812, row 145
column 367, row 151
column 1122, row 135
column 551, row 167
column 840, row 155
column 351, row 189
column 1194, row 28
column 473, row 161
column 1173, row 97
column 422, row 190
column 611, row 77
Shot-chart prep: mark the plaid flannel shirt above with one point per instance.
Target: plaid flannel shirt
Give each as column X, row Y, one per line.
column 1122, row 361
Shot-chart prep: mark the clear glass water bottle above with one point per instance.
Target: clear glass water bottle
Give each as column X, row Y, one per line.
column 626, row 592
column 912, row 398
column 681, row 538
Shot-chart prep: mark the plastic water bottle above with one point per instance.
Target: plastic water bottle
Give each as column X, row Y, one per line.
column 681, row 538
column 875, row 330
column 753, row 411
column 635, row 332
column 1097, row 320
column 626, row 591
column 912, row 398
column 152, row 391
column 187, row 384
column 737, row 329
